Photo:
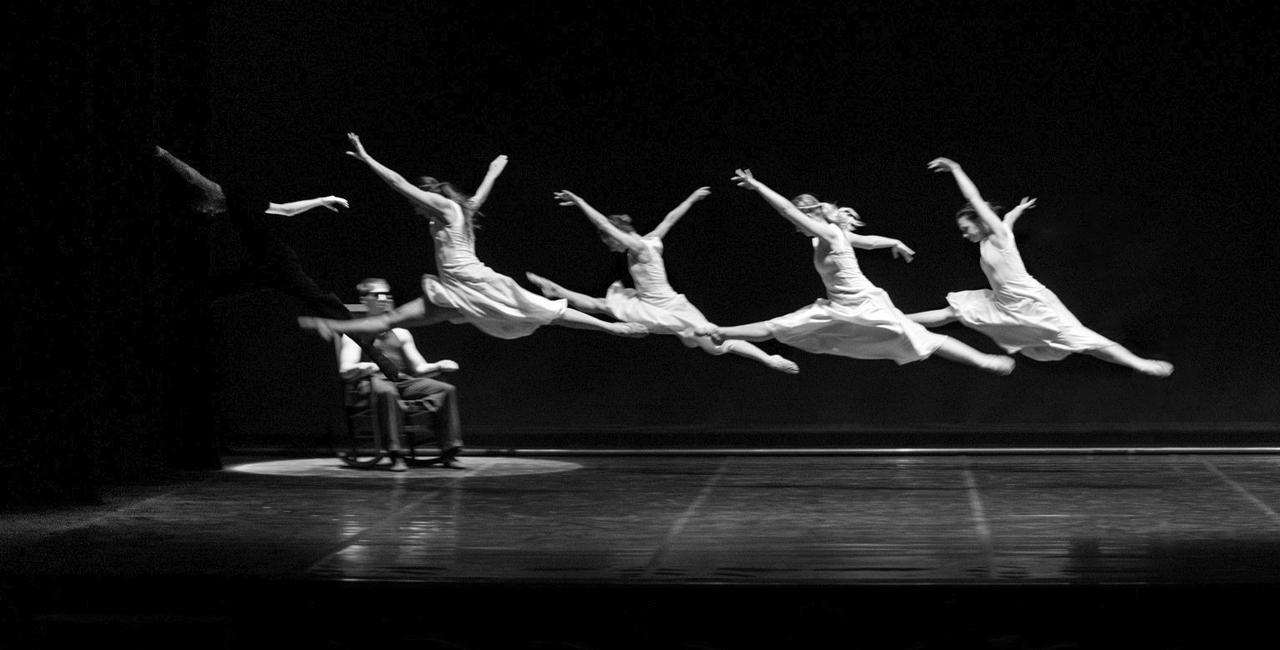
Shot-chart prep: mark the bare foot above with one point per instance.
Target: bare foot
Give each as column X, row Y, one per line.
column 782, row 364
column 1157, row 368
column 397, row 463
column 547, row 287
column 999, row 364
column 630, row 330
column 318, row 325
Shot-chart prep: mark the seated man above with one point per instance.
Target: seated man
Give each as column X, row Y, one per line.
column 415, row 386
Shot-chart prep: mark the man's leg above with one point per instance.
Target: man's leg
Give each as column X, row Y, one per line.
column 384, row 398
column 440, row 398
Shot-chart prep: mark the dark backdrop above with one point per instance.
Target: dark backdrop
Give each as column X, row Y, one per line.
column 1146, row 132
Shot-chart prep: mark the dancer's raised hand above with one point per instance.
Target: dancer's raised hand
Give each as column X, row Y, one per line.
column 901, row 250
column 498, row 164
column 565, row 197
column 357, row 151
column 744, row 179
column 1026, row 202
column 699, row 194
column 943, row 165
column 334, row 202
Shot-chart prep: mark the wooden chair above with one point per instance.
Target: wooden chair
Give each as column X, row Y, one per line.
column 364, row 445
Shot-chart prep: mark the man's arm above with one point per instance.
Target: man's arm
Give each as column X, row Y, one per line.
column 421, row 367
column 349, row 364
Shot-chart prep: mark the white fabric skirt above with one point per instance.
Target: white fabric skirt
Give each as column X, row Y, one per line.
column 490, row 301
column 870, row 329
column 675, row 316
column 1039, row 325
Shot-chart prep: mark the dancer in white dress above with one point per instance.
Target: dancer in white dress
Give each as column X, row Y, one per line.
column 653, row 302
column 857, row 319
column 1017, row 312
column 465, row 290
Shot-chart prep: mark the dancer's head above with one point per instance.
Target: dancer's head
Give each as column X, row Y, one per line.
column 971, row 225
column 621, row 222
column 447, row 190
column 375, row 294
column 846, row 218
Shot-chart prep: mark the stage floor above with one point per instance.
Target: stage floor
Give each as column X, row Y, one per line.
column 747, row 536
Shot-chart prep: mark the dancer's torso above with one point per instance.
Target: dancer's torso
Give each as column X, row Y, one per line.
column 455, row 246
column 839, row 270
column 650, row 275
column 1004, row 269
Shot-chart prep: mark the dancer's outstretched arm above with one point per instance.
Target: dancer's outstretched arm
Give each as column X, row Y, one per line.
column 398, row 183
column 1011, row 216
column 630, row 240
column 482, row 193
column 824, row 231
column 870, row 242
column 298, row 207
column 674, row 216
column 970, row 192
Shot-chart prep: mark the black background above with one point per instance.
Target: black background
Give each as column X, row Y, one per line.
column 1147, row 133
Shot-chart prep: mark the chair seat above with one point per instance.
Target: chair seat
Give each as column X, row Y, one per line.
column 364, row 447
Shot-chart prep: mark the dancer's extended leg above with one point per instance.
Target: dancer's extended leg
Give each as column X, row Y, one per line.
column 957, row 351
column 580, row 301
column 934, row 317
column 1117, row 353
column 578, row 320
column 750, row 351
column 415, row 313
column 750, row 332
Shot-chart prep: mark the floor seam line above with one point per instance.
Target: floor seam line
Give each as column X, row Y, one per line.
column 981, row 527
column 1275, row 517
column 678, row 525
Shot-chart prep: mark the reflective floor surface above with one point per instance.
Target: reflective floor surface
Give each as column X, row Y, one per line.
column 626, row 551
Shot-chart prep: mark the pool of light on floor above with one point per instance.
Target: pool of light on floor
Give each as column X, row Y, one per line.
column 488, row 467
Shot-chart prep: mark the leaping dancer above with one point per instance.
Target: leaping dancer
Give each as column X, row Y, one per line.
column 465, row 290
column 857, row 319
column 1017, row 312
column 653, row 302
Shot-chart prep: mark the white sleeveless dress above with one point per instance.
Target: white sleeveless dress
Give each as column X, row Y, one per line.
column 857, row 319
column 654, row 304
column 490, row 301
column 1019, row 313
